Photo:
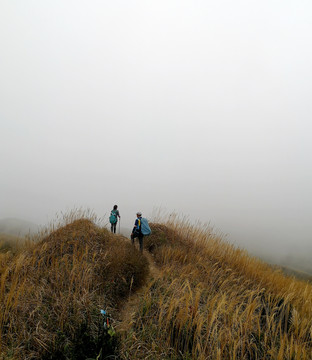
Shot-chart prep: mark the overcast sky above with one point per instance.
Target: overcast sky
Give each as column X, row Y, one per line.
column 198, row 107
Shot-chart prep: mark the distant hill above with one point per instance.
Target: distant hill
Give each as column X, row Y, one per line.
column 306, row 276
column 17, row 227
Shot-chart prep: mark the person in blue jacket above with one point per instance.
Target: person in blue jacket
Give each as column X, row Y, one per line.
column 137, row 232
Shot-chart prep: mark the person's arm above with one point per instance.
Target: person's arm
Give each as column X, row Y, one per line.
column 135, row 225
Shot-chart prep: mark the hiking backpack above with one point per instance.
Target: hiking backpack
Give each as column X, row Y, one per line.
column 113, row 217
column 145, row 229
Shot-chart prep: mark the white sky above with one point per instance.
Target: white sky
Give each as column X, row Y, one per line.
column 198, row 107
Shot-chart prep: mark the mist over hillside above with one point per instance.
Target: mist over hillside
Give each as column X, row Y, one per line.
column 17, row 227
column 297, row 259
column 199, row 107
column 281, row 253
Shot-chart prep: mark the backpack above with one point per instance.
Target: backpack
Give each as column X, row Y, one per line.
column 113, row 217
column 145, row 229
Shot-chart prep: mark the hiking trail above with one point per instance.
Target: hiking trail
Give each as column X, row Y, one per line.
column 129, row 307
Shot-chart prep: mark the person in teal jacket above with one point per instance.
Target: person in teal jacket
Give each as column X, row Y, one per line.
column 114, row 218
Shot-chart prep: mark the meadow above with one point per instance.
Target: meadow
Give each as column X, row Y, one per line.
column 190, row 295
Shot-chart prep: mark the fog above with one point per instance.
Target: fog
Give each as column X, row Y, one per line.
column 202, row 108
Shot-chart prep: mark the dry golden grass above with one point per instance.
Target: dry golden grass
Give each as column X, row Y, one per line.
column 10, row 243
column 213, row 301
column 207, row 299
column 52, row 291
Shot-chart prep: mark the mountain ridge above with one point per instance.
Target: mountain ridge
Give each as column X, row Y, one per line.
column 82, row 292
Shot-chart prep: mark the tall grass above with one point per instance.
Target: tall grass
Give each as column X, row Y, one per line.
column 10, row 243
column 52, row 291
column 213, row 301
column 207, row 299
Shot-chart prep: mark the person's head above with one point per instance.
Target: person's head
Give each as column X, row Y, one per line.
column 115, row 207
column 139, row 214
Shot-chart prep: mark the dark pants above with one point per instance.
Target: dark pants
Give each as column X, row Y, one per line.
column 140, row 237
column 113, row 228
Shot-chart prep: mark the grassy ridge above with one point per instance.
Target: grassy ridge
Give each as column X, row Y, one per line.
column 207, row 299
column 51, row 293
column 212, row 301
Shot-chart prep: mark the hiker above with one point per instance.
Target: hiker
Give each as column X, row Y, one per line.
column 113, row 219
column 137, row 232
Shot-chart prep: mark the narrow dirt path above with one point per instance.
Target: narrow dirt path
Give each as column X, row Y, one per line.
column 129, row 308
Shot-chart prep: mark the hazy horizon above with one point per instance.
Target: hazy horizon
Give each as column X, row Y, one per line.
column 196, row 107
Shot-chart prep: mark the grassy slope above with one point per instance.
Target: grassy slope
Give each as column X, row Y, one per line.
column 51, row 293
column 204, row 299
column 213, row 301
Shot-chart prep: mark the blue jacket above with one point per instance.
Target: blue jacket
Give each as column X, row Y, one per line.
column 137, row 225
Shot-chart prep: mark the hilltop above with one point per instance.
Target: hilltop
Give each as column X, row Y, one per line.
column 189, row 296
